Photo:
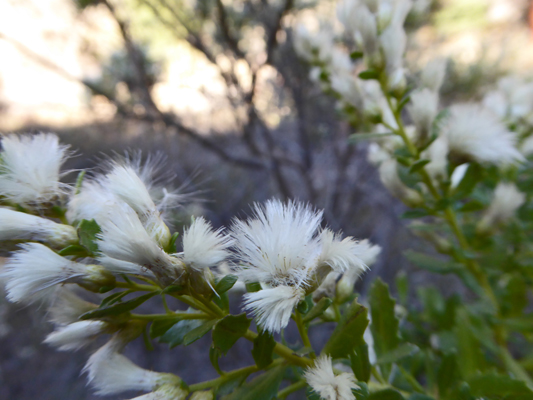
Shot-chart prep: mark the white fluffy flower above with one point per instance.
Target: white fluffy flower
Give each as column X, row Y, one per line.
column 388, row 174
column 76, row 335
column 204, row 247
column 505, row 201
column 475, row 133
column 16, row 225
column 342, row 254
column 30, row 169
column 279, row 245
column 92, row 202
column 437, row 153
column 67, row 307
column 433, row 74
column 423, row 110
column 34, row 271
column 326, row 384
column 366, row 32
column 166, row 392
column 110, row 372
column 347, row 86
column 126, row 245
column 273, row 307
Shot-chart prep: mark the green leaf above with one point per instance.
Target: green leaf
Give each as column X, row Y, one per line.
column 198, row 332
column 160, row 326
column 87, row 231
column 264, row 387
column 175, row 335
column 471, row 206
column 171, row 248
column 263, row 348
column 305, row 305
column 387, row 394
column 118, row 308
column 470, row 358
column 363, row 137
column 229, row 386
column 385, row 325
column 369, row 74
column 214, row 355
column 492, row 385
column 355, row 55
column 360, row 363
column 400, row 352
column 417, row 166
column 79, row 181
column 253, row 287
column 349, row 332
column 472, row 176
column 225, row 284
column 523, row 323
column 415, row 213
column 176, row 289
column 114, row 298
column 432, row 264
column 420, row 396
column 362, row 392
column 447, row 374
column 228, row 330
column 403, row 102
column 74, row 250
column 318, row 309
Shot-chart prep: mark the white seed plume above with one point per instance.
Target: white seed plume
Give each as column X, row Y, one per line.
column 92, row 202
column 110, row 372
column 67, row 307
column 437, row 153
column 273, row 307
column 76, row 335
column 124, row 239
column 166, row 392
column 367, row 33
column 505, row 201
column 326, row 384
column 278, row 245
column 32, row 272
column 474, row 132
column 16, row 225
column 30, row 169
column 342, row 254
column 423, row 110
column 433, row 74
column 388, row 174
column 204, row 247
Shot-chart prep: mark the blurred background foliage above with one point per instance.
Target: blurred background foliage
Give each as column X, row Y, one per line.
column 217, row 88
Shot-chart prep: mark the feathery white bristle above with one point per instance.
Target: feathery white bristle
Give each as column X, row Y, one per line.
column 32, row 272
column 204, row 247
column 67, row 307
column 110, row 372
column 273, row 307
column 342, row 254
column 326, row 384
column 16, row 225
column 30, row 169
column 76, row 334
column 475, row 132
column 279, row 244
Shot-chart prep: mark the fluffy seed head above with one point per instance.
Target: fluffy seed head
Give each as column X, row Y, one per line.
column 110, row 372
column 76, row 335
column 273, row 307
column 16, row 225
column 475, row 133
column 30, row 169
column 32, row 272
column 505, row 201
column 67, row 307
column 279, row 244
column 326, row 384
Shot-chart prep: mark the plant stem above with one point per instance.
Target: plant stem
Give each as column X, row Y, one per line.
column 226, row 377
column 303, row 332
column 178, row 316
column 284, row 351
column 136, row 286
column 291, row 389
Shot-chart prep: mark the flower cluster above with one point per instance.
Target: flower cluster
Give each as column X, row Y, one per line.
column 113, row 225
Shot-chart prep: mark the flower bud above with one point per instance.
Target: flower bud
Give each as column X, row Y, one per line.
column 97, row 277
